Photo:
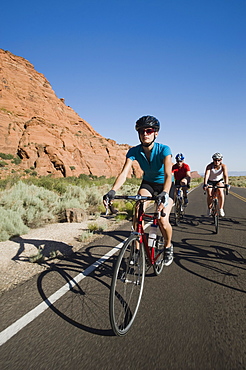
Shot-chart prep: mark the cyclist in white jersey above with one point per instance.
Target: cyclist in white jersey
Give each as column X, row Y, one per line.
column 216, row 174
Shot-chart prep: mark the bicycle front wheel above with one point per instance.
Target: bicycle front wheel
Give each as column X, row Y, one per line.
column 127, row 285
column 216, row 216
column 177, row 211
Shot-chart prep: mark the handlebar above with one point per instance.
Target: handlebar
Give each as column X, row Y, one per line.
column 135, row 198
column 217, row 187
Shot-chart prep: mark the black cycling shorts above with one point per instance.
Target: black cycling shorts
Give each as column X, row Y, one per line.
column 177, row 182
column 154, row 188
column 215, row 182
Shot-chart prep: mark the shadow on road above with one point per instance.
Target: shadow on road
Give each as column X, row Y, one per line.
column 218, row 262
column 44, row 246
column 85, row 304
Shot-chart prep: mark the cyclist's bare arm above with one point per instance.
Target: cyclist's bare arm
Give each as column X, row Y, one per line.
column 167, row 161
column 167, row 173
column 225, row 174
column 123, row 175
column 206, row 175
column 188, row 177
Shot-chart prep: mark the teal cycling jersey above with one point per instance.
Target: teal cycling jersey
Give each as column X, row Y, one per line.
column 154, row 168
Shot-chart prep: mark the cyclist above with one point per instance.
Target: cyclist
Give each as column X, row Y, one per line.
column 155, row 161
column 216, row 174
column 181, row 172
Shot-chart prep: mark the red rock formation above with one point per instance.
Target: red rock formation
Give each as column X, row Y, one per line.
column 195, row 175
column 47, row 134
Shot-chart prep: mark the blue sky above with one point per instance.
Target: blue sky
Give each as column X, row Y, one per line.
column 183, row 61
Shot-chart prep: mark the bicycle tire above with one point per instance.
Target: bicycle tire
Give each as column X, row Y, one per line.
column 216, row 216
column 177, row 212
column 127, row 286
column 159, row 263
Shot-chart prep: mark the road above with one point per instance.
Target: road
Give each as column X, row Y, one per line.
column 192, row 316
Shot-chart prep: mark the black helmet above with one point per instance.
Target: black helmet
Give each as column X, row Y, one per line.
column 147, row 121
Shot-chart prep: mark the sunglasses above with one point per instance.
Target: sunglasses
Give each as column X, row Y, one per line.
column 147, row 131
column 217, row 160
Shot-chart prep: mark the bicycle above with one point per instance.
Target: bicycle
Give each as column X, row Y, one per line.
column 215, row 212
column 129, row 272
column 179, row 204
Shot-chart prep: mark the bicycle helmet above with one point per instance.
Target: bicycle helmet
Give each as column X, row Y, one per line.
column 179, row 157
column 148, row 122
column 217, row 156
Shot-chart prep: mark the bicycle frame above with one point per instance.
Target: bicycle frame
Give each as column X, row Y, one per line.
column 150, row 252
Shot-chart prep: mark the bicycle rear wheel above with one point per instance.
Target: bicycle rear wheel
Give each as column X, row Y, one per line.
column 127, row 286
column 159, row 255
column 177, row 212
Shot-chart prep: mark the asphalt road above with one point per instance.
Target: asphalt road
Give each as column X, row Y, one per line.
column 192, row 316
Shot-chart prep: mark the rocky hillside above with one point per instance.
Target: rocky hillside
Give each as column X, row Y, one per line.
column 195, row 175
column 44, row 132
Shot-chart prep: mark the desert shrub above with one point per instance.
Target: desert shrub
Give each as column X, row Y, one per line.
column 3, row 164
column 74, row 196
column 35, row 205
column 8, row 182
column 6, row 156
column 11, row 224
column 85, row 236
column 94, row 195
column 16, row 160
column 95, row 228
column 239, row 181
column 129, row 189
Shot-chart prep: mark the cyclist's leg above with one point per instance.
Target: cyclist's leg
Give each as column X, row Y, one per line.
column 183, row 182
column 165, row 226
column 145, row 192
column 177, row 182
column 164, row 223
column 210, row 192
column 221, row 196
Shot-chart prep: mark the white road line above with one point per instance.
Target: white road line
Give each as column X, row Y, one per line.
column 14, row 328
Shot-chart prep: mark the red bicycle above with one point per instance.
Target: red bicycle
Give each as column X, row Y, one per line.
column 129, row 271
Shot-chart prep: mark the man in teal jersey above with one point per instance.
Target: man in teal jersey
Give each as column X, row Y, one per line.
column 156, row 163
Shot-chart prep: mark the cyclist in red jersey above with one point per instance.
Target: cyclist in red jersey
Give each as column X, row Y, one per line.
column 181, row 173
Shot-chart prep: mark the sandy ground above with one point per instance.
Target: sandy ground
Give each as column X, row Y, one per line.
column 15, row 265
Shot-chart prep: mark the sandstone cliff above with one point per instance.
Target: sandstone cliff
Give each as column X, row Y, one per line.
column 46, row 134
column 195, row 175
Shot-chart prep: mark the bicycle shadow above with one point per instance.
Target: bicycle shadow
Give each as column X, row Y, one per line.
column 85, row 303
column 235, row 223
column 44, row 246
column 220, row 263
column 186, row 220
column 86, row 299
